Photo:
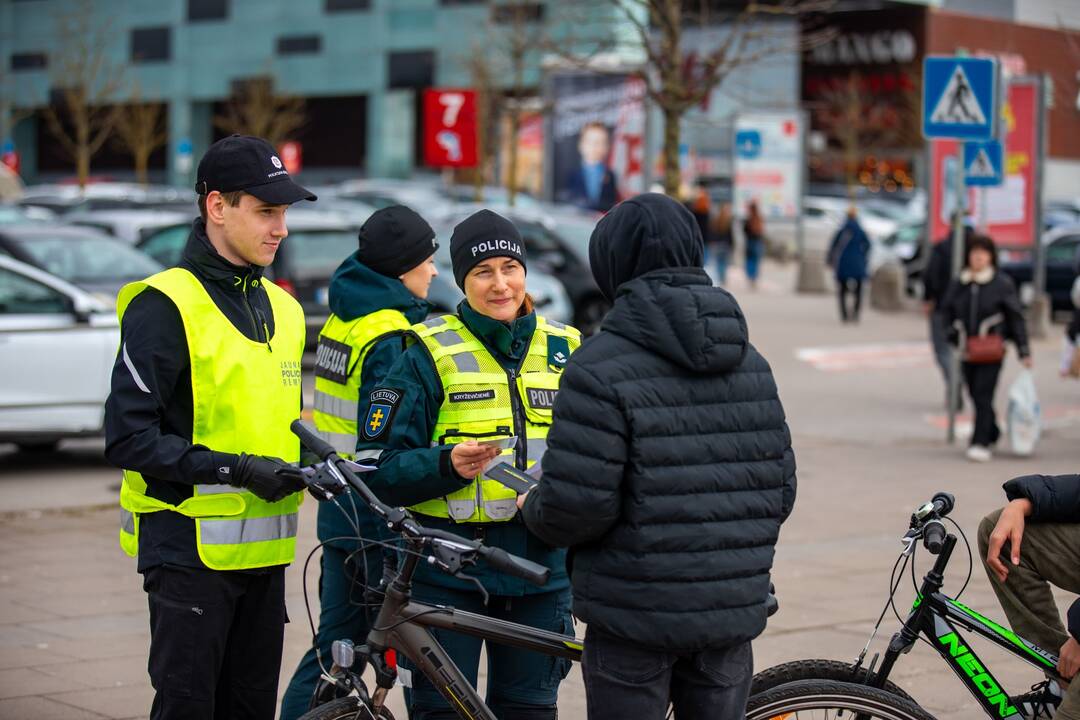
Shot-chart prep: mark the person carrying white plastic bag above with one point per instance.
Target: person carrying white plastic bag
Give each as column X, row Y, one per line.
column 1024, row 415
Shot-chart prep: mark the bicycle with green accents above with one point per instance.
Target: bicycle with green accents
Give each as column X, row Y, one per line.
column 812, row 688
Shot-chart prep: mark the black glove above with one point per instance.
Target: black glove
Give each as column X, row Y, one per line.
column 269, row 478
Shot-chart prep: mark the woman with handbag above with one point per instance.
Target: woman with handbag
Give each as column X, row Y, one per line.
column 982, row 310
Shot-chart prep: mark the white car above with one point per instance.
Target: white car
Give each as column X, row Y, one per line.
column 57, row 348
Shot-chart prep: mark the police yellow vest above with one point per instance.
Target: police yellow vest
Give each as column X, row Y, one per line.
column 339, row 359
column 244, row 396
column 480, row 401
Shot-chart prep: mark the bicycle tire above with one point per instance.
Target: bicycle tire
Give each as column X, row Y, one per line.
column 818, row 669
column 346, row 708
column 810, row 696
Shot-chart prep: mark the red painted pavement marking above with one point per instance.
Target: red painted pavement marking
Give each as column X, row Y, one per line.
column 880, row 356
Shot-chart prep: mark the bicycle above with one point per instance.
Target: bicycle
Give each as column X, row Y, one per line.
column 789, row 689
column 402, row 624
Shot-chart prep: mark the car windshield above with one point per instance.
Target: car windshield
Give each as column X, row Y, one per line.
column 576, row 233
column 87, row 258
column 315, row 254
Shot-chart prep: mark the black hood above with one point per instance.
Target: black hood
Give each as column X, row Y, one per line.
column 647, row 254
column 648, row 232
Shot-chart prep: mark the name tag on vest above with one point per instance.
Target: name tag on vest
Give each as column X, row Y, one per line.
column 540, row 398
column 332, row 360
column 476, row 395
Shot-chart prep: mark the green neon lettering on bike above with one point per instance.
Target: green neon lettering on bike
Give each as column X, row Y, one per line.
column 573, row 645
column 978, row 675
column 917, row 603
column 1004, row 632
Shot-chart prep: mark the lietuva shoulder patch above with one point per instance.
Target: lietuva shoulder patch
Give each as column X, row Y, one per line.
column 383, row 404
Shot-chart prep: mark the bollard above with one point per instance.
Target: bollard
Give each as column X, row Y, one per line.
column 1038, row 316
column 887, row 287
column 811, row 278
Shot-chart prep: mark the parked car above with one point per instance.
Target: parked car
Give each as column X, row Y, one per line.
column 82, row 256
column 57, row 347
column 908, row 245
column 130, row 224
column 547, row 252
column 64, row 198
column 1060, row 247
column 421, row 196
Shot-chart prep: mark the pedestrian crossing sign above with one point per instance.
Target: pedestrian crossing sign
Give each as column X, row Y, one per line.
column 983, row 163
column 959, row 98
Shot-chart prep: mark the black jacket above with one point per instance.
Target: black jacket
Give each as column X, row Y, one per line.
column 669, row 465
column 979, row 309
column 148, row 418
column 1054, row 498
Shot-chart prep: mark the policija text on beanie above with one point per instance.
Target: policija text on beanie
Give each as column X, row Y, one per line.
column 480, row 236
column 394, row 240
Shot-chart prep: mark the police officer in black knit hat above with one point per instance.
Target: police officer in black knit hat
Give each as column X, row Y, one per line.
column 375, row 295
column 479, row 385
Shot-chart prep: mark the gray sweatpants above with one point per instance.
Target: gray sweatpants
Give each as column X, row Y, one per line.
column 1049, row 555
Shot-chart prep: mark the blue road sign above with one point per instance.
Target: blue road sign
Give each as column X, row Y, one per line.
column 748, row 144
column 959, row 98
column 983, row 163
column 183, row 147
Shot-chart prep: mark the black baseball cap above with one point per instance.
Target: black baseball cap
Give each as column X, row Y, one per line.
column 242, row 162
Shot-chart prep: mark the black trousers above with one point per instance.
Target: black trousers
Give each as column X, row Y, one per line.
column 982, row 382
column 623, row 680
column 853, row 286
column 215, row 642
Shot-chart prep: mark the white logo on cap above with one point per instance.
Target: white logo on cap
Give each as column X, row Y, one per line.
column 277, row 163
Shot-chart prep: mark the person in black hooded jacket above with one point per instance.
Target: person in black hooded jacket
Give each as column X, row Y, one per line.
column 668, row 472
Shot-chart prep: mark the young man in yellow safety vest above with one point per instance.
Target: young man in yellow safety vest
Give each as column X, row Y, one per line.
column 205, row 385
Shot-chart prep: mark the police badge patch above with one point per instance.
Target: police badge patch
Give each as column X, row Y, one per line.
column 383, row 403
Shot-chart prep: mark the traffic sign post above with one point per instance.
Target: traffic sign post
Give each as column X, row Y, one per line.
column 959, row 101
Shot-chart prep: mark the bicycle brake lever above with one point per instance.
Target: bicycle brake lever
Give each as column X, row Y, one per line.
column 479, row 585
column 911, row 537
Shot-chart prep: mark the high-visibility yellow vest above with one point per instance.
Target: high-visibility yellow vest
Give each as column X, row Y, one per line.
column 244, row 396
column 483, row 401
column 339, row 359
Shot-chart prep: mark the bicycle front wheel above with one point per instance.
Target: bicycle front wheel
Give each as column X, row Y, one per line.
column 346, row 708
column 818, row 699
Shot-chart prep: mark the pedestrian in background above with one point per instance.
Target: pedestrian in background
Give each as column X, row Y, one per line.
column 671, row 535
column 376, row 295
column 849, row 255
column 936, row 280
column 982, row 310
column 722, row 242
column 754, row 236
column 205, row 386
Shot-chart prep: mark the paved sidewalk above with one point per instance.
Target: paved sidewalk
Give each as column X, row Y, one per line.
column 73, row 618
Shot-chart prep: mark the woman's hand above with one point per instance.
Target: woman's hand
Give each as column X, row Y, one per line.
column 470, row 458
column 1026, row 362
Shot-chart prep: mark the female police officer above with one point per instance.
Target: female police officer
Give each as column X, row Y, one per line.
column 375, row 295
column 491, row 371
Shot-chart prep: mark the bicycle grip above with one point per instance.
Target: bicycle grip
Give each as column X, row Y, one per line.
column 517, row 566
column 934, row 537
column 311, row 441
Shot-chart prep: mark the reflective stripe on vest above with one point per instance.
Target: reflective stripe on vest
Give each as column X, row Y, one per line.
column 244, row 396
column 478, row 404
column 343, row 345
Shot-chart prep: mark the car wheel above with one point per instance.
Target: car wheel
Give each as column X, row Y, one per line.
column 39, row 447
column 590, row 314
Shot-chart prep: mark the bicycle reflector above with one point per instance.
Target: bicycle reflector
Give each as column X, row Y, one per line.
column 391, row 658
column 343, row 652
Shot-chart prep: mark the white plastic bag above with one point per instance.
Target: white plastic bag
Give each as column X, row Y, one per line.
column 1074, row 294
column 1024, row 414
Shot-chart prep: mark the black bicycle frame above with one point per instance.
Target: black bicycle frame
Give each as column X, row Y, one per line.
column 403, row 624
column 936, row 617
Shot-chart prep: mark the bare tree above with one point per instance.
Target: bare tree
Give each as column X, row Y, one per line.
column 140, row 130
column 82, row 114
column 673, row 84
column 482, row 78
column 256, row 109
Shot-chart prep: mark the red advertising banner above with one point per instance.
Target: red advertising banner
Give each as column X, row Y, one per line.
column 449, row 128
column 292, row 156
column 1010, row 207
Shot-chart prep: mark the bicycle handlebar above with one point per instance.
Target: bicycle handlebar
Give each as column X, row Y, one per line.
column 926, row 522
column 400, row 521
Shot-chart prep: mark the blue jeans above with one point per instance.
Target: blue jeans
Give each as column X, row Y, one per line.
column 718, row 255
column 624, row 680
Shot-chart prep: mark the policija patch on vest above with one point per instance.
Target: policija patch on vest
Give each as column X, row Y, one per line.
column 558, row 349
column 540, row 398
column 383, row 403
column 332, row 360
column 474, row 395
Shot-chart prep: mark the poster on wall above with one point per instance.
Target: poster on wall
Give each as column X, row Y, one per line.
column 769, row 162
column 1010, row 207
column 450, row 128
column 596, row 153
